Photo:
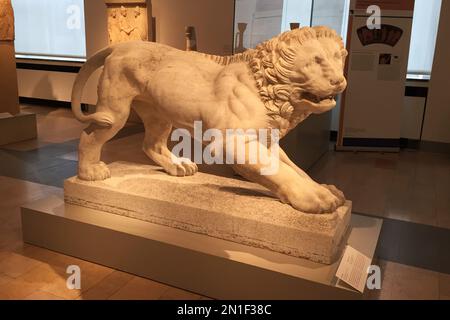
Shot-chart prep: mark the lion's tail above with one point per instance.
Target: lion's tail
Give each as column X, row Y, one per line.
column 95, row 62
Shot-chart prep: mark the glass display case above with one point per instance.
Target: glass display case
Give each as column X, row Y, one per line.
column 260, row 20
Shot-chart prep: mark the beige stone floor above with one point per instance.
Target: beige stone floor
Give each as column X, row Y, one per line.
column 54, row 125
column 28, row 272
column 410, row 186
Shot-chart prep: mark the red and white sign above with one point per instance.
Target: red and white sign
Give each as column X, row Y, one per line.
column 400, row 5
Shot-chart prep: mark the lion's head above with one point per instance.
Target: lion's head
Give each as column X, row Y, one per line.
column 299, row 73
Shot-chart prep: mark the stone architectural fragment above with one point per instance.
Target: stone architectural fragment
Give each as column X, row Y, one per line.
column 127, row 20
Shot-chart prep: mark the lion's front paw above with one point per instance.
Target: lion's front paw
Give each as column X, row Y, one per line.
column 311, row 198
column 182, row 167
column 94, row 172
column 338, row 193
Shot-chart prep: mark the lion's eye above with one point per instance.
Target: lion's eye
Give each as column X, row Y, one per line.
column 318, row 59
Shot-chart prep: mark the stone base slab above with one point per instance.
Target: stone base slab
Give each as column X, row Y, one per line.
column 219, row 207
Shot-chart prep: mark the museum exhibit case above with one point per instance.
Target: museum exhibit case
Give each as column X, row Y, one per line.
column 190, row 150
column 381, row 59
column 396, row 55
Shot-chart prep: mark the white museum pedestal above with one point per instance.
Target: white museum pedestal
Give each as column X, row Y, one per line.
column 202, row 264
column 19, row 127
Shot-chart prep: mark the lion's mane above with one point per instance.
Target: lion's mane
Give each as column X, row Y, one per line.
column 272, row 63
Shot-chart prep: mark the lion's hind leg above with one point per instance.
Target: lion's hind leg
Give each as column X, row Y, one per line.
column 92, row 139
column 157, row 132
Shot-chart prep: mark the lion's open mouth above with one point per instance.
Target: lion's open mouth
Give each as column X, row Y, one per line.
column 316, row 99
column 317, row 104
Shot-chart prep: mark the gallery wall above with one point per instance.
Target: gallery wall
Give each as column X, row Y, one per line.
column 436, row 126
column 213, row 21
column 263, row 18
column 214, row 33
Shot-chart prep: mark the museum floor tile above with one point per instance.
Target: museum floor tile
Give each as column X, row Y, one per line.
column 408, row 190
column 28, row 272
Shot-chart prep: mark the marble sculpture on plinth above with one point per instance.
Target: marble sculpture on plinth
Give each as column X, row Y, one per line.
column 275, row 86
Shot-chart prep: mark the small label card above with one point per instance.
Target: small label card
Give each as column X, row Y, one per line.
column 353, row 268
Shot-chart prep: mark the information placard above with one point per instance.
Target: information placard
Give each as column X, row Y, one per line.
column 353, row 268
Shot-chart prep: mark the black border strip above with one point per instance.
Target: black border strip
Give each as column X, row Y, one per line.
column 49, row 103
column 44, row 102
column 409, row 144
column 411, row 91
column 403, row 143
column 47, row 67
column 372, row 142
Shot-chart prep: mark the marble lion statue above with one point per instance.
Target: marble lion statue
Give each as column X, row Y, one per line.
column 275, row 86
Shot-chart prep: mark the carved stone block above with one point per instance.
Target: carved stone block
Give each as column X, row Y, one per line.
column 127, row 20
column 220, row 207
